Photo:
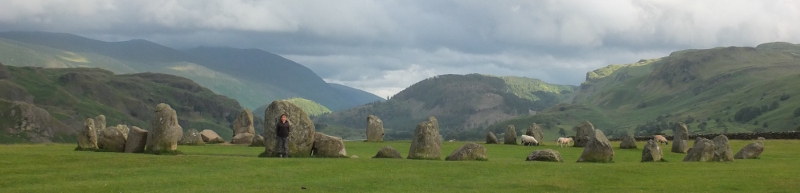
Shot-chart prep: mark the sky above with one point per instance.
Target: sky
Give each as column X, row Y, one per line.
column 385, row 46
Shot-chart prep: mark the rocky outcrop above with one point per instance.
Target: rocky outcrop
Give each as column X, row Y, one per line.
column 211, row 137
column 328, row 146
column 137, row 139
column 680, row 139
column 546, row 155
column 191, row 137
column 243, row 130
column 426, row 142
column 722, row 149
column 27, row 122
column 702, row 151
column 628, row 142
column 652, row 152
column 164, row 131
column 87, row 138
column 510, row 136
column 388, row 152
column 112, row 139
column 258, row 141
column 598, row 149
column 491, row 139
column 301, row 138
column 374, row 129
column 750, row 151
column 536, row 132
column 583, row 132
column 468, row 152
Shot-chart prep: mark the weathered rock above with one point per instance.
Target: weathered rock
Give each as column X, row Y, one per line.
column 111, row 139
column 87, row 138
column 374, row 129
column 137, row 139
column 28, row 122
column 258, row 141
column 491, row 139
column 722, row 149
column 99, row 124
column 761, row 138
column 211, row 137
column 243, row 125
column 426, row 142
column 680, row 139
column 510, row 136
column 628, row 142
column 598, row 149
column 191, row 137
column 328, row 146
column 124, row 129
column 388, row 152
column 301, row 138
column 164, row 130
column 750, row 151
column 536, row 132
column 583, row 132
column 468, row 152
column 701, row 151
column 652, row 152
column 546, row 155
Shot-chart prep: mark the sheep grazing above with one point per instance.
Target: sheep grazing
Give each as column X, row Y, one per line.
column 528, row 140
column 564, row 141
column 660, row 139
column 452, row 140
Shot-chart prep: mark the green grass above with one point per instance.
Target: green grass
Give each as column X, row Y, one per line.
column 219, row 168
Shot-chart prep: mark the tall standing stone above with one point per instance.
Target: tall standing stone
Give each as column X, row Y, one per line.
column 652, row 152
column 751, row 151
column 426, row 142
column 243, row 130
column 301, row 138
column 535, row 131
column 87, row 138
column 491, row 139
column 722, row 149
column 598, row 149
column 701, row 151
column 164, row 130
column 628, row 142
column 510, row 136
column 99, row 124
column 680, row 139
column 374, row 129
column 137, row 139
column 583, row 132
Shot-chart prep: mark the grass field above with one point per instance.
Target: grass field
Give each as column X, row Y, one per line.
column 220, row 168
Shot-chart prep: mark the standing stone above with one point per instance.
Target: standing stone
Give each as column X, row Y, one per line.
column 751, row 151
column 468, row 152
column 243, row 130
column 112, row 139
column 258, row 141
column 191, row 137
column 211, row 137
column 374, row 129
column 328, row 146
column 701, row 151
column 491, row 139
column 628, row 142
column 722, row 151
column 164, row 130
column 546, row 155
column 510, row 136
column 583, row 132
column 598, row 149
column 87, row 138
column 301, row 138
column 761, row 138
column 99, row 124
column 536, row 132
column 137, row 139
column 652, row 152
column 680, row 139
column 388, row 152
column 426, row 142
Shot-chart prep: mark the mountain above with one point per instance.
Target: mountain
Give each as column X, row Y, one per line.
column 356, row 97
column 253, row 77
column 463, row 105
column 67, row 96
column 718, row 90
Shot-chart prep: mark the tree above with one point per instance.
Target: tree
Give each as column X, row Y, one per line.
column 562, row 132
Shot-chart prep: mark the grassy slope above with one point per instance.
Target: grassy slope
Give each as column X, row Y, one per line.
column 30, row 168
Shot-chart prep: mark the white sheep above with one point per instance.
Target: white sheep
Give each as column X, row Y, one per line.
column 529, row 140
column 660, row 139
column 564, row 140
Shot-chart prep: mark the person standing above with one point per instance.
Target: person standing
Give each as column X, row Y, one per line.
column 283, row 128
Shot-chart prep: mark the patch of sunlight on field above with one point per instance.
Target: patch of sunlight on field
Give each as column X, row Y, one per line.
column 73, row 57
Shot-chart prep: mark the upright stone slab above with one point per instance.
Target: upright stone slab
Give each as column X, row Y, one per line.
column 468, row 152
column 722, row 149
column 426, row 142
column 701, row 151
column 511, row 135
column 301, row 138
column 536, row 132
column 491, row 139
column 111, row 139
column 191, row 137
column 99, row 124
column 164, row 130
column 87, row 138
column 628, row 142
column 583, row 132
column 598, row 149
column 137, row 139
column 652, row 152
column 243, row 130
column 328, row 146
column 751, row 151
column 374, row 129
column 680, row 139
column 388, row 152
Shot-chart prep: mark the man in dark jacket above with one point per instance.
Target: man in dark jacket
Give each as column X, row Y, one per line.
column 282, row 129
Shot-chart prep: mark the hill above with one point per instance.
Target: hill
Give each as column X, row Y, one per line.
column 237, row 73
column 718, row 90
column 70, row 95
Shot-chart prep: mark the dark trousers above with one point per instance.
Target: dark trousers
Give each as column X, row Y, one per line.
column 283, row 146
